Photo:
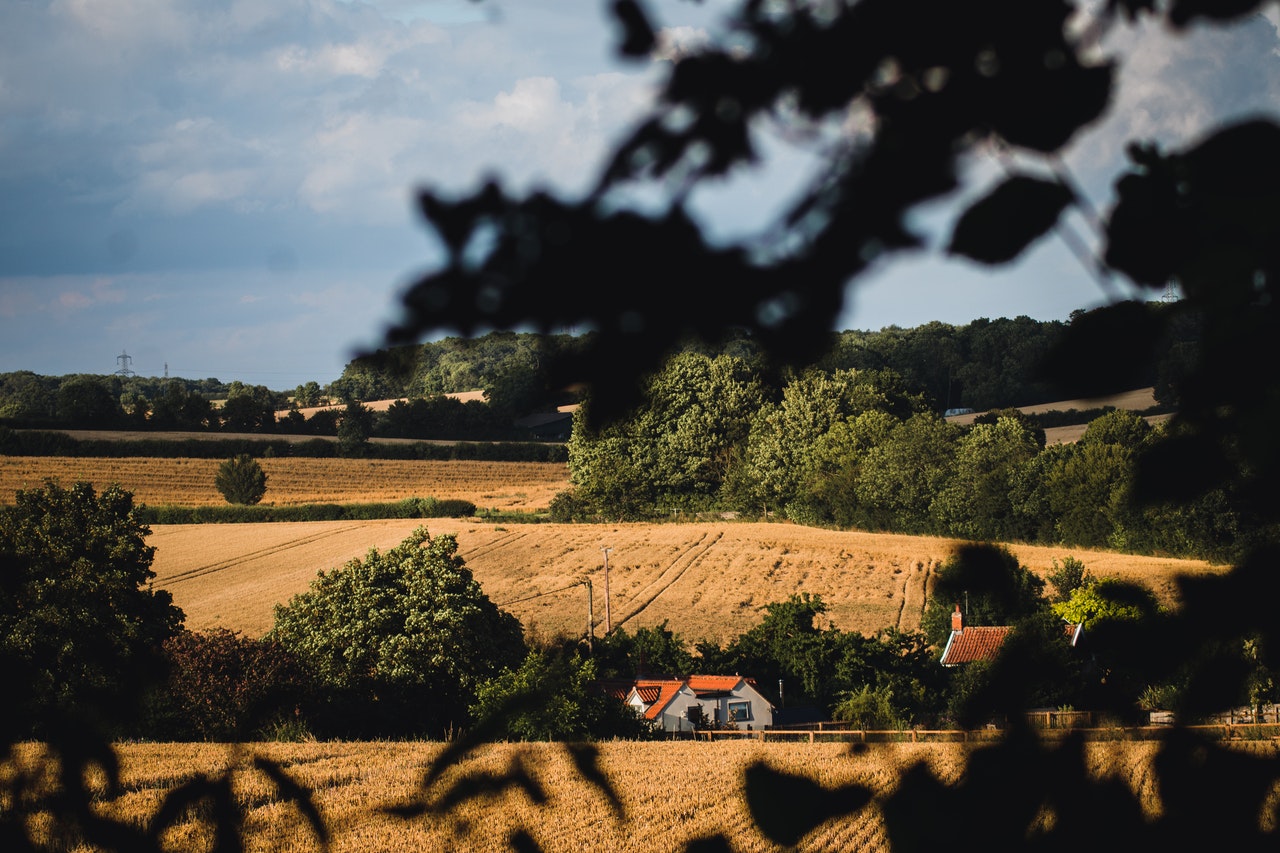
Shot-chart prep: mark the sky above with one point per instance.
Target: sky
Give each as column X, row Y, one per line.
column 225, row 188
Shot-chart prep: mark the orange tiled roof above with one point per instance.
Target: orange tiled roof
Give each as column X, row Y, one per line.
column 657, row 693
column 648, row 693
column 974, row 644
column 662, row 691
column 702, row 683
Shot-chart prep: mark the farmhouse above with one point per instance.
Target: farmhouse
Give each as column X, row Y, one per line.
column 701, row 701
column 982, row 643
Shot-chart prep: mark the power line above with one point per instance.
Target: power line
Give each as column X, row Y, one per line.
column 541, row 594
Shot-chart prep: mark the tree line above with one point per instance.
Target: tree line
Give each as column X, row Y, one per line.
column 862, row 448
column 982, row 365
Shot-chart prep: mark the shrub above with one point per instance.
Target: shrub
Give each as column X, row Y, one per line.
column 241, row 480
column 226, row 687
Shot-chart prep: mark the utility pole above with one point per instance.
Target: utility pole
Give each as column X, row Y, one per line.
column 608, row 623
column 591, row 619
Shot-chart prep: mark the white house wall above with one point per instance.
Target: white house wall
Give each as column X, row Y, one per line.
column 675, row 716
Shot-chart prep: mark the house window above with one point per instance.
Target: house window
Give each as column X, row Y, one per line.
column 739, row 711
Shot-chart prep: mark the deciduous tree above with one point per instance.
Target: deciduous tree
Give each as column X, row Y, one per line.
column 401, row 639
column 81, row 628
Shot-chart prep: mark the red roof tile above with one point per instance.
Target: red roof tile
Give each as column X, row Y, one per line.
column 702, row 683
column 974, row 644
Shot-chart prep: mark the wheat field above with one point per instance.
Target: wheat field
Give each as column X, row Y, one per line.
column 664, row 794
column 518, row 486
column 707, row 580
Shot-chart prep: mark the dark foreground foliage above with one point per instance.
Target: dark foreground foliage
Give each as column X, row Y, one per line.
column 937, row 79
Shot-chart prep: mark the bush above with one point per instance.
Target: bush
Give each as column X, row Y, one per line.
column 226, row 687
column 241, row 480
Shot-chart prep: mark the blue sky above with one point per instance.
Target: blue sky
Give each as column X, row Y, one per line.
column 224, row 188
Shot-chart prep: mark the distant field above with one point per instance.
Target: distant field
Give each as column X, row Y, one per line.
column 190, row 482
column 667, row 793
column 706, row 580
column 1138, row 400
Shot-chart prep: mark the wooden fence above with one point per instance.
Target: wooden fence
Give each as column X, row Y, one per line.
column 1234, row 728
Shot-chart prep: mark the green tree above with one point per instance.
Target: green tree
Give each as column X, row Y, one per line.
column 1066, row 577
column 400, row 640
column 869, row 708
column 901, row 475
column 354, row 430
column 250, row 408
column 552, row 695
column 81, row 628
column 178, row 407
column 307, row 395
column 1107, row 600
column 241, row 480
column 87, row 401
column 975, row 503
column 649, row 652
column 990, row 586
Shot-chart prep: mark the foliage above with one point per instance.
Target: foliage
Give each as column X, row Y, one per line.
column 1067, row 577
column 354, row 430
column 868, row 708
column 241, row 480
column 934, row 84
column 649, row 652
column 1104, row 600
column 250, row 408
column 552, row 695
column 400, row 640
column 80, row 626
column 990, row 586
column 247, row 514
column 225, row 687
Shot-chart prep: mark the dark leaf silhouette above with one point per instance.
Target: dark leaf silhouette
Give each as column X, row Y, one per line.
column 638, row 38
column 290, row 791
column 586, row 759
column 998, row 227
column 786, row 806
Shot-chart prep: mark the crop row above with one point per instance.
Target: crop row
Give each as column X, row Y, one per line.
column 622, row 810
column 190, row 482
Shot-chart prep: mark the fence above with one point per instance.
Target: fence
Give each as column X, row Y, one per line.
column 1061, row 724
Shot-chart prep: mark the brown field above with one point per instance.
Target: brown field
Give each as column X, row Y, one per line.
column 706, row 580
column 668, row 793
column 1138, row 400
column 523, row 486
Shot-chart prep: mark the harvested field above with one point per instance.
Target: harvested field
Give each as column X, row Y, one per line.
column 706, row 580
column 524, row 486
column 352, row 783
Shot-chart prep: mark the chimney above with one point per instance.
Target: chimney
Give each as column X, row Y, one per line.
column 957, row 620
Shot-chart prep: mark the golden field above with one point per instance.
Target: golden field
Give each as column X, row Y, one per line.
column 521, row 486
column 667, row 793
column 707, row 580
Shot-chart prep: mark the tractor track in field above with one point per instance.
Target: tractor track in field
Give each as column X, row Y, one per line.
column 240, row 559
column 672, row 573
column 482, row 551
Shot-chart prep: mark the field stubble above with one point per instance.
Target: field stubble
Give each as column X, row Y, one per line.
column 522, row 486
column 353, row 784
column 705, row 580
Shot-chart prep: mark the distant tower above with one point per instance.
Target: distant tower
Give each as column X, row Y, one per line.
column 1170, row 293
column 123, row 359
column 166, row 370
